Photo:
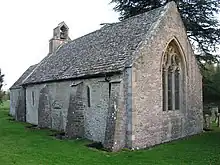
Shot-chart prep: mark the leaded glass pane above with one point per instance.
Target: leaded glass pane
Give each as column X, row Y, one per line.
column 164, row 89
column 171, row 85
column 170, row 107
column 177, row 90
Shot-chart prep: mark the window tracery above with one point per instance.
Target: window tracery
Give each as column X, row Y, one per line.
column 171, row 77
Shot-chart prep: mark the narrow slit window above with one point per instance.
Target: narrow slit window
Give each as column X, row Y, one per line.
column 109, row 90
column 32, row 98
column 88, row 96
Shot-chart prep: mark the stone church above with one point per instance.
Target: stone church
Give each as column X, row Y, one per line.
column 131, row 84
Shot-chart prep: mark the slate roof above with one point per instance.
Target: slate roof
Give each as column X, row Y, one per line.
column 109, row 49
column 18, row 83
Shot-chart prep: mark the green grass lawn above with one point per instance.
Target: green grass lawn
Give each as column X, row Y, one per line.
column 22, row 146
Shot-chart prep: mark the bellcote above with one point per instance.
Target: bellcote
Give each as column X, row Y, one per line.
column 60, row 36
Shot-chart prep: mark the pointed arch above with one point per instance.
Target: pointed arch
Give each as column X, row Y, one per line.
column 176, row 44
column 174, row 70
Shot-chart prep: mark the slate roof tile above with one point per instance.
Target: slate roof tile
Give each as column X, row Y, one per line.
column 18, row 83
column 103, row 51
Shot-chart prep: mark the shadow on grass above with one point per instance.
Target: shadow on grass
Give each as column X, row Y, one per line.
column 58, row 135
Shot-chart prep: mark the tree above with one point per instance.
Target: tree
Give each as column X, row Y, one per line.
column 1, row 84
column 198, row 16
column 5, row 95
column 211, row 87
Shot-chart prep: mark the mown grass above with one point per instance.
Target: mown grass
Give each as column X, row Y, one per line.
column 5, row 106
column 22, row 146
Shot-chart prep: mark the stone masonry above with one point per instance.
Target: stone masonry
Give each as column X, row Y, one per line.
column 150, row 124
column 20, row 106
column 44, row 109
column 75, row 118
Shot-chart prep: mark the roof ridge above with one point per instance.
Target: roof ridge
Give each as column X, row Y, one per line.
column 115, row 23
column 105, row 50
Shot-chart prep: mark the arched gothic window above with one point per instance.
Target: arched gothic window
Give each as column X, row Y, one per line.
column 172, row 77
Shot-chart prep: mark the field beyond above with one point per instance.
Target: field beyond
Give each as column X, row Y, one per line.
column 24, row 146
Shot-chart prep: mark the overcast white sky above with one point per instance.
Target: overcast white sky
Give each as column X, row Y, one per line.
column 27, row 26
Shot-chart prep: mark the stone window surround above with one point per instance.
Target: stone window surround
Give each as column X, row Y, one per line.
column 173, row 58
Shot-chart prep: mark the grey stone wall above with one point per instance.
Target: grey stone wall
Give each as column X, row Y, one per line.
column 75, row 118
column 67, row 106
column 20, row 109
column 121, row 115
column 96, row 114
column 14, row 93
column 150, row 124
column 32, row 103
column 115, row 135
column 194, row 117
column 128, row 106
column 58, row 103
column 44, row 109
